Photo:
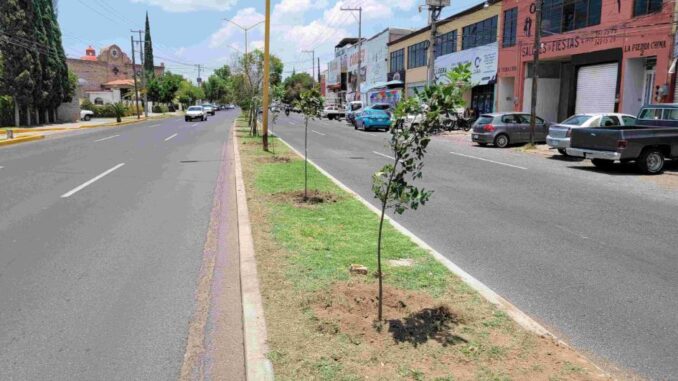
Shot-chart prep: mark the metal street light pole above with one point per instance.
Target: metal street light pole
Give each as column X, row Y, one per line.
column 144, row 83
column 267, row 73
column 360, row 43
column 312, row 60
column 134, row 75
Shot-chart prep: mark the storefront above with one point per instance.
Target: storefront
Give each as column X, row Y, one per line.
column 483, row 61
column 611, row 58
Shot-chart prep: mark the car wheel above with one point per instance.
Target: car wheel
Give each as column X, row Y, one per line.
column 562, row 151
column 482, row 144
column 187, row 119
column 602, row 163
column 87, row 118
column 355, row 126
column 651, row 161
column 501, row 141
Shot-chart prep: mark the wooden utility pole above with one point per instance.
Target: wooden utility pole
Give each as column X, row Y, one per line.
column 134, row 75
column 535, row 70
column 267, row 73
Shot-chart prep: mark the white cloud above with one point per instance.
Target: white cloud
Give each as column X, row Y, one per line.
column 316, row 33
column 299, row 6
column 190, row 5
column 371, row 10
column 180, row 52
column 245, row 17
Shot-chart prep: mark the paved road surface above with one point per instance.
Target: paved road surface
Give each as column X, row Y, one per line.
column 102, row 239
column 592, row 255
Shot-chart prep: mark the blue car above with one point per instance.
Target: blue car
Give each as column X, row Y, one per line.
column 373, row 119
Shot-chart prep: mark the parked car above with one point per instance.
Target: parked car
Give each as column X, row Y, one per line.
column 196, row 112
column 229, row 106
column 648, row 143
column 86, row 115
column 559, row 134
column 332, row 112
column 209, row 109
column 373, row 119
column 502, row 129
column 353, row 108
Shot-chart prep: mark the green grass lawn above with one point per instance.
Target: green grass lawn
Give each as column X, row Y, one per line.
column 304, row 252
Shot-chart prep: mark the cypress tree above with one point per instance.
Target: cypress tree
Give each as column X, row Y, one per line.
column 20, row 63
column 148, row 51
column 62, row 88
column 44, row 74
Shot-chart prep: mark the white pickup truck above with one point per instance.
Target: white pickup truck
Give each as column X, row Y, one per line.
column 333, row 112
column 86, row 115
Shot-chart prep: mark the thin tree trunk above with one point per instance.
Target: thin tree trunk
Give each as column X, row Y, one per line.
column 46, row 116
column 28, row 116
column 384, row 202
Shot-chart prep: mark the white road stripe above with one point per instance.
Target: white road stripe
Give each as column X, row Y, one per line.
column 488, row 160
column 171, row 137
column 153, row 125
column 319, row 133
column 110, row 137
column 90, row 182
column 381, row 154
column 194, row 125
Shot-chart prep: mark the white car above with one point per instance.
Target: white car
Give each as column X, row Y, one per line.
column 559, row 134
column 86, row 115
column 332, row 112
column 196, row 112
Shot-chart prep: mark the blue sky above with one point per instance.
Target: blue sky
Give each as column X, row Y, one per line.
column 189, row 32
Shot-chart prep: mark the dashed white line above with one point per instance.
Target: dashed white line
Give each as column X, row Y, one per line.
column 171, row 137
column 110, row 137
column 381, row 154
column 90, row 182
column 153, row 125
column 319, row 133
column 194, row 125
column 488, row 160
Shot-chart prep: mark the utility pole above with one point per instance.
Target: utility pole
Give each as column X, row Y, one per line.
column 143, row 70
column 267, row 73
column 312, row 61
column 434, row 8
column 360, row 43
column 134, row 75
column 318, row 70
column 535, row 69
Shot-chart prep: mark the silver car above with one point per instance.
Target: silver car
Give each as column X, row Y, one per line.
column 502, row 129
column 559, row 134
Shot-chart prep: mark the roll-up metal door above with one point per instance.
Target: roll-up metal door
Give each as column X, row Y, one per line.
column 596, row 88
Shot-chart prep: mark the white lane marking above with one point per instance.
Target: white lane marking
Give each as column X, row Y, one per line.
column 90, row 182
column 319, row 133
column 110, row 137
column 194, row 125
column 171, row 137
column 381, row 154
column 153, row 125
column 488, row 160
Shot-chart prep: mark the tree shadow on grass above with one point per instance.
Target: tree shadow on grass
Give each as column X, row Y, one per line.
column 427, row 324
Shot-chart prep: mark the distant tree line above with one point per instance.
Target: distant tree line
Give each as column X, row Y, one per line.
column 33, row 70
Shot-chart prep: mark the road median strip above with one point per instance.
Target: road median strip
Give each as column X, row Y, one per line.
column 320, row 315
column 21, row 139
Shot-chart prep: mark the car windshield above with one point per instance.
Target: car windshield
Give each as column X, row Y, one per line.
column 356, row 106
column 381, row 107
column 577, row 120
column 485, row 119
column 195, row 108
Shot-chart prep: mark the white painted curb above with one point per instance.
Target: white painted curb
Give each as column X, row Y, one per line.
column 257, row 366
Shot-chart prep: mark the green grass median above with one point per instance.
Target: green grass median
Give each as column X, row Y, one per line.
column 320, row 316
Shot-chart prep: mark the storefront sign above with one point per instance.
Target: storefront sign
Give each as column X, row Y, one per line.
column 334, row 72
column 483, row 60
column 377, row 61
column 397, row 76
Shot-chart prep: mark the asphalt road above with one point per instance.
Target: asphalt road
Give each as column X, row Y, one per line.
column 591, row 255
column 102, row 241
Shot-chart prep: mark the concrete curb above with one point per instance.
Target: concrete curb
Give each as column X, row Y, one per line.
column 516, row 314
column 257, row 366
column 51, row 129
column 21, row 139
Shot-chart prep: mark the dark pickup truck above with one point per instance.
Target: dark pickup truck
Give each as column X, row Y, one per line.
column 653, row 139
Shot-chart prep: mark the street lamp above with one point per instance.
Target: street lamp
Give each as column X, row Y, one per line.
column 245, row 29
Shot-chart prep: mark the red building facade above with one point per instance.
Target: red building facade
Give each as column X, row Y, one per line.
column 596, row 56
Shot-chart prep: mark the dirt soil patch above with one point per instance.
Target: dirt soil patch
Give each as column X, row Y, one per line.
column 314, row 198
column 274, row 159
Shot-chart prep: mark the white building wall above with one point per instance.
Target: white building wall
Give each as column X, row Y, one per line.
column 634, row 77
column 547, row 104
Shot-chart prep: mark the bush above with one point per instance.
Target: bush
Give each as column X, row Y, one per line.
column 160, row 109
column 107, row 110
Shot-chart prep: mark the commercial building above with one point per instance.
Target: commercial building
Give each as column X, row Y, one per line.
column 596, row 56
column 469, row 36
column 107, row 77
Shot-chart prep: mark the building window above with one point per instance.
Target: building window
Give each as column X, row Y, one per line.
column 560, row 16
column 643, row 7
column 416, row 55
column 510, row 26
column 480, row 33
column 398, row 60
column 446, row 43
